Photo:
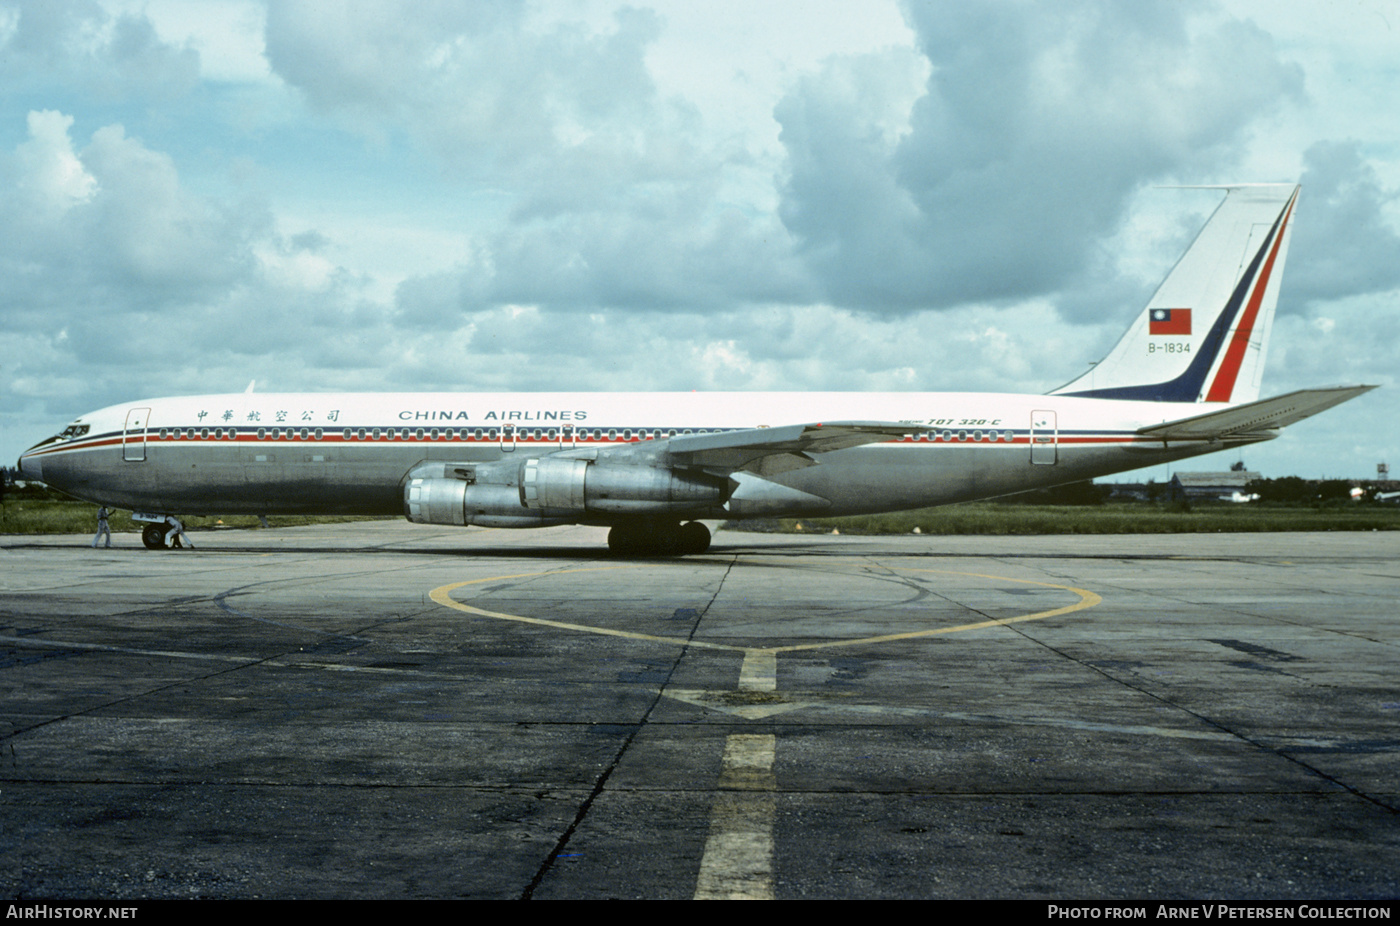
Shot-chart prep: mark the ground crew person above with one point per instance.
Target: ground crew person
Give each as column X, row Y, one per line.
column 103, row 530
column 175, row 534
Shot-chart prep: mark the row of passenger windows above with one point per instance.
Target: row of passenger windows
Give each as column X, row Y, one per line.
column 549, row 434
column 522, row 434
column 975, row 435
column 429, row 433
column 200, row 433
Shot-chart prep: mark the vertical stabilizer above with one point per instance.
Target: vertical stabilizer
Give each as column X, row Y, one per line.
column 1203, row 336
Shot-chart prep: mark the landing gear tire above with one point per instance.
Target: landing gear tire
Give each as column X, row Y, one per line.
column 627, row 539
column 658, row 539
column 156, row 535
column 153, row 536
column 694, row 538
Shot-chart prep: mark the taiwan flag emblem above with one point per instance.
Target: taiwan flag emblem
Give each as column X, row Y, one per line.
column 1168, row 321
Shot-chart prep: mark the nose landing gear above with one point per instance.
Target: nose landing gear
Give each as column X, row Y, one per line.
column 164, row 535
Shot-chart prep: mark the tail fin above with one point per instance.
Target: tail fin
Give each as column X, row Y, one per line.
column 1203, row 336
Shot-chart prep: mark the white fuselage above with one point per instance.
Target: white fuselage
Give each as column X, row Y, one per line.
column 337, row 453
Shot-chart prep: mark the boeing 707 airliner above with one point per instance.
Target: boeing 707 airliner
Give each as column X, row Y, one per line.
column 1184, row 380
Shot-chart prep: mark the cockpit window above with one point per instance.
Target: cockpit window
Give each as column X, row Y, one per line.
column 74, row 431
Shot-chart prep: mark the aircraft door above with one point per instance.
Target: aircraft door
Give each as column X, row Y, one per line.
column 1045, row 437
column 134, row 437
column 508, row 437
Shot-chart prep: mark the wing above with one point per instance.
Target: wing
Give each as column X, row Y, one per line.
column 768, row 451
column 1255, row 418
column 761, row 451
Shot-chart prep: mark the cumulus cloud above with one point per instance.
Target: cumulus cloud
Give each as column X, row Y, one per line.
column 150, row 230
column 50, row 178
column 79, row 43
column 112, row 264
column 111, row 224
column 1036, row 125
column 616, row 195
column 484, row 85
column 1346, row 241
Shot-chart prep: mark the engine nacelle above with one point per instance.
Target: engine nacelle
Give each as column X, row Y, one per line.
column 581, row 486
column 436, row 500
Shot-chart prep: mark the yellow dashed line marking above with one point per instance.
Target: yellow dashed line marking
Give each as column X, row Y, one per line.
column 738, row 859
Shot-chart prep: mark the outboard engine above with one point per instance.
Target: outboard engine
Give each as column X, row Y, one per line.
column 484, row 494
column 453, row 501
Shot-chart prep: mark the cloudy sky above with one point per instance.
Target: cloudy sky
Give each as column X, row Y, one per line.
column 579, row 195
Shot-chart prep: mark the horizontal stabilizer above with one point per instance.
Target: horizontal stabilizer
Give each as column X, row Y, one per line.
column 1263, row 415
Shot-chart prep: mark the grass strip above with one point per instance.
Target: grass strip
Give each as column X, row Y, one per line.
column 1139, row 518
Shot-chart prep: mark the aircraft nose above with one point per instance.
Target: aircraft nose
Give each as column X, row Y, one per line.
column 31, row 466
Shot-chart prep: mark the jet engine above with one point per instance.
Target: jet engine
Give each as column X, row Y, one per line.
column 435, row 500
column 583, row 486
column 542, row 492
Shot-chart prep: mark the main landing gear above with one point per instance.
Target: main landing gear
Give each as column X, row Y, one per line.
column 658, row 538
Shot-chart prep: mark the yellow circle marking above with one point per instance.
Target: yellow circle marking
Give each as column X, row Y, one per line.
column 443, row 596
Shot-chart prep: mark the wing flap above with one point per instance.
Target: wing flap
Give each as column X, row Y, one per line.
column 1251, row 417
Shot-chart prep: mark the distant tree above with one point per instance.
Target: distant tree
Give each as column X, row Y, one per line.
column 1295, row 490
column 1332, row 489
column 1289, row 489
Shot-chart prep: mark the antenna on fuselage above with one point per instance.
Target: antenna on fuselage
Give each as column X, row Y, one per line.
column 251, row 384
